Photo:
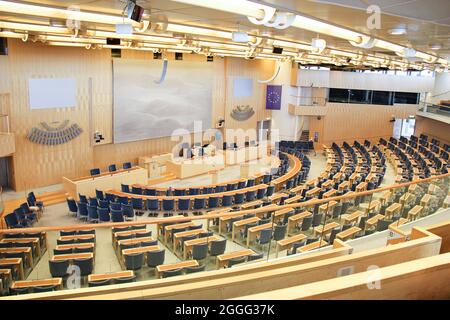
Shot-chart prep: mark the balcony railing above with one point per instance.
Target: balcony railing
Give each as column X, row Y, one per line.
column 437, row 109
column 310, row 101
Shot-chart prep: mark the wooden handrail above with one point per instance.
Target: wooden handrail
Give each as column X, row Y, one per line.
column 213, row 215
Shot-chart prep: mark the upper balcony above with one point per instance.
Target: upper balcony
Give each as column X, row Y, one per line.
column 308, row 106
column 439, row 112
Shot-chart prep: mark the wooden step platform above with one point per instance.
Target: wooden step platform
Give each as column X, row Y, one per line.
column 163, row 178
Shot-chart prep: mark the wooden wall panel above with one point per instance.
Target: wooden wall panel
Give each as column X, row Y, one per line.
column 349, row 122
column 256, row 70
column 39, row 165
column 433, row 128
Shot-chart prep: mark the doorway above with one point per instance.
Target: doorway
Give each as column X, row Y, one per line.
column 263, row 128
column 404, row 128
column 5, row 181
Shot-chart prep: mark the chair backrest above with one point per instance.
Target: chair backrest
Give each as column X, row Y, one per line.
column 213, row 202
column 112, row 168
column 265, row 236
column 250, row 195
column 58, row 269
column 206, row 234
column 199, row 203
column 117, row 216
column 218, row 247
column 100, row 283
column 168, row 204
column 95, row 171
column 200, row 251
column 317, row 219
column 134, row 261
column 152, row 204
column 72, row 204
column 125, row 280
column 103, row 214
column 333, row 233
column 172, row 273
column 195, row 226
column 306, row 223
column 279, row 232
column 125, row 187
column 99, row 194
column 255, row 256
column 235, row 261
column 227, row 200
column 126, row 165
column 11, row 220
column 239, row 198
column 82, row 209
column 103, row 204
column 156, row 258
column 184, row 204
column 270, row 190
column 195, row 269
column 62, row 251
column 92, row 212
column 93, row 202
column 49, row 288
column 261, row 193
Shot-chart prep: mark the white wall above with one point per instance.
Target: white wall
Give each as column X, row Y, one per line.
column 286, row 123
column 441, row 90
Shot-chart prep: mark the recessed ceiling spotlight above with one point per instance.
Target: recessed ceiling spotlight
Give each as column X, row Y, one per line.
column 435, row 46
column 399, row 30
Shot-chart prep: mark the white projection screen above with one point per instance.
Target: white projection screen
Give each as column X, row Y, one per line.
column 45, row 93
column 144, row 109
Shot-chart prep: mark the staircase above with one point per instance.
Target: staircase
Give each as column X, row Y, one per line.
column 49, row 198
column 166, row 176
column 54, row 197
column 304, row 135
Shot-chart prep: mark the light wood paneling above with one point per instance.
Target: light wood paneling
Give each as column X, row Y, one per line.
column 38, row 165
column 348, row 122
column 433, row 128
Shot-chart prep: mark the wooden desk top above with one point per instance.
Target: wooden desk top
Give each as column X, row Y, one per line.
column 135, row 240
column 374, row 219
column 293, row 199
column 290, row 240
column 188, row 233
column 322, row 229
column 37, row 283
column 16, row 249
column 353, row 216
column 199, row 196
column 5, row 271
column 243, row 222
column 282, row 212
column 297, row 189
column 21, row 240
column 348, row 233
column 130, row 232
column 426, row 198
column 251, row 204
column 139, row 250
column 362, row 186
column 313, row 191
column 81, row 236
column 300, row 216
column 261, row 227
column 415, row 210
column 328, row 205
column 72, row 256
column 75, row 245
column 177, row 265
column 104, row 174
column 7, row 261
column 312, row 246
column 373, row 204
column 393, row 207
column 235, row 254
column 113, row 275
column 179, row 226
column 193, row 242
column 330, row 193
column 277, row 196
